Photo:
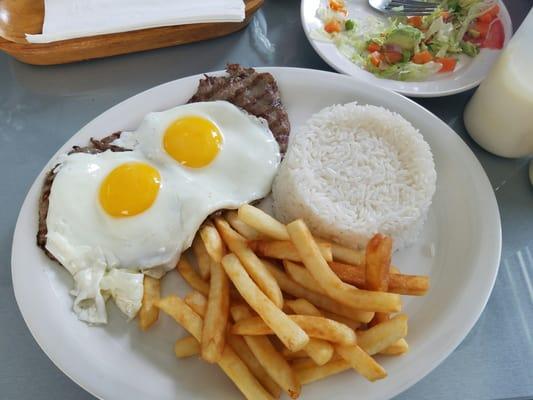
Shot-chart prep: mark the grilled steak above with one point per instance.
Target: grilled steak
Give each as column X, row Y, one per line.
column 96, row 146
column 255, row 92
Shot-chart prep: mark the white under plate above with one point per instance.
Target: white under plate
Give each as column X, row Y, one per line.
column 469, row 72
column 118, row 361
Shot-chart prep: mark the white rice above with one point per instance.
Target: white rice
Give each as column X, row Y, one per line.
column 352, row 171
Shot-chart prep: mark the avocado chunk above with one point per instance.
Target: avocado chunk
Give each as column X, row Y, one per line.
column 405, row 36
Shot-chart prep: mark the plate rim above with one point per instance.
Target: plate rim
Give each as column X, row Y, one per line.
column 455, row 340
column 410, row 93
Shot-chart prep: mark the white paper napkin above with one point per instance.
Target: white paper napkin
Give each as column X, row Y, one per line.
column 68, row 19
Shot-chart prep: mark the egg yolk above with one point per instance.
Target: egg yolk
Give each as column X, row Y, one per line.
column 129, row 189
column 192, row 141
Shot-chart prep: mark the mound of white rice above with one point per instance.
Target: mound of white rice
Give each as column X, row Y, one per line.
column 352, row 171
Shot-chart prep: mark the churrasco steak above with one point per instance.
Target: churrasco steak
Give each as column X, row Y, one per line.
column 255, row 92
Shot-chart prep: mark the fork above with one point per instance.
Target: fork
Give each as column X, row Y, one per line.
column 403, row 7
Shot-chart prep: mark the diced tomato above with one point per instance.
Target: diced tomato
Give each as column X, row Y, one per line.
column 422, row 57
column 337, row 5
column 490, row 14
column 332, row 26
column 448, row 63
column 392, row 57
column 495, row 36
column 373, row 46
column 415, row 21
column 375, row 58
column 481, row 27
column 486, row 18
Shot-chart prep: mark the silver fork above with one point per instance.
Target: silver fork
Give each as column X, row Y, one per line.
column 404, row 7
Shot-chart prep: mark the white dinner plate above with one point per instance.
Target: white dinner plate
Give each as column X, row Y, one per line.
column 118, row 361
column 469, row 72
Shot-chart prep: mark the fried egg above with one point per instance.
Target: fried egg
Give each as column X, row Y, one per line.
column 221, row 157
column 107, row 211
column 114, row 214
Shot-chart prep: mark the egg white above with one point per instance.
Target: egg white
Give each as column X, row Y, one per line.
column 80, row 230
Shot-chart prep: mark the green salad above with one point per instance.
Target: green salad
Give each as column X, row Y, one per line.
column 413, row 48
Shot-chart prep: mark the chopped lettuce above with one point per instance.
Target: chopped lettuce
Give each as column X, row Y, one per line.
column 409, row 71
column 467, row 3
column 473, row 10
column 469, row 49
column 439, row 30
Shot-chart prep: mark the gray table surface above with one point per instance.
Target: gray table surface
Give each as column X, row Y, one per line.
column 41, row 107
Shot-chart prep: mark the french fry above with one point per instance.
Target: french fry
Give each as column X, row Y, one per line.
column 182, row 314
column 379, row 337
column 302, row 276
column 216, row 316
column 378, row 319
column 239, row 373
column 377, row 266
column 212, row 241
column 230, row 363
column 243, row 229
column 285, row 250
column 191, row 277
column 303, row 362
column 361, row 362
column 149, row 313
column 303, row 307
column 323, row 302
column 347, row 255
column 319, row 350
column 396, row 349
column 186, row 347
column 316, row 327
column 338, row 290
column 308, row 375
column 245, row 354
column 351, row 274
column 290, row 355
column 253, row 265
column 378, row 259
column 262, row 222
column 202, row 257
column 292, row 336
column 414, row 285
column 267, row 355
column 343, row 320
column 197, row 301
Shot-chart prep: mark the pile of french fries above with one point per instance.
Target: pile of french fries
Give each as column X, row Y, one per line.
column 276, row 308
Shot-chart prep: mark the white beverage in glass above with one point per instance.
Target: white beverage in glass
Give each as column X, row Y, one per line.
column 499, row 117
